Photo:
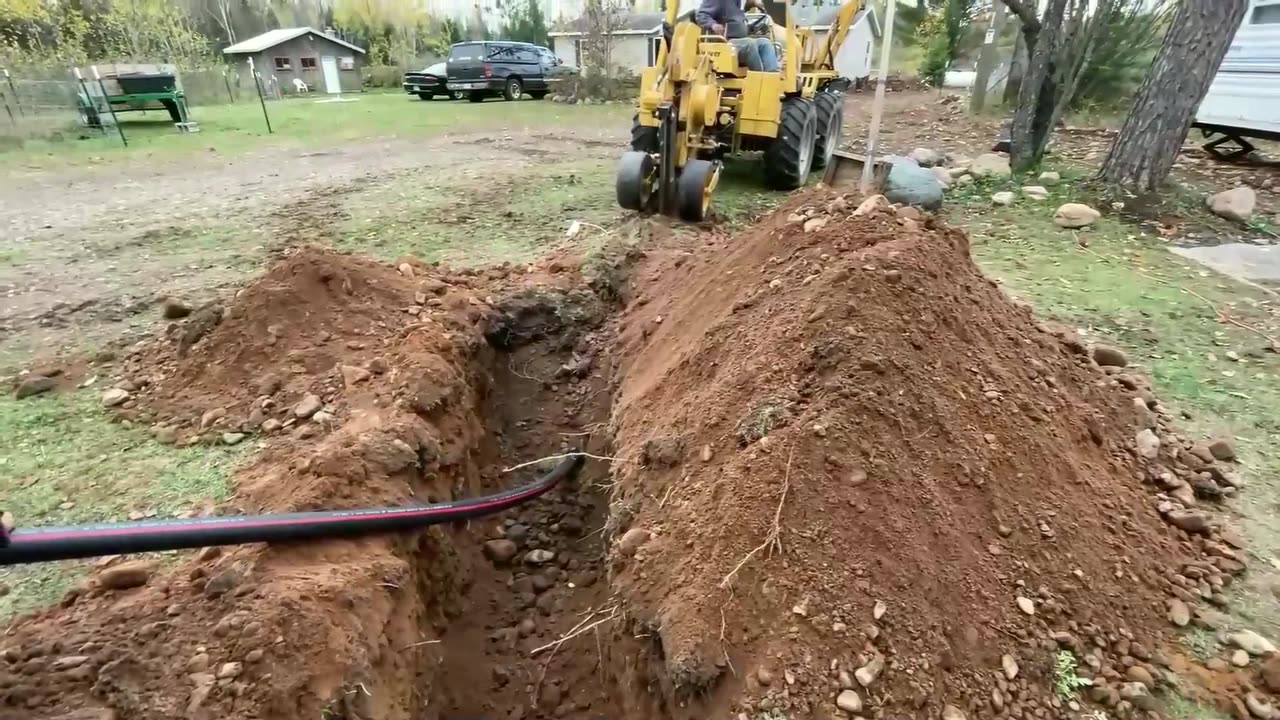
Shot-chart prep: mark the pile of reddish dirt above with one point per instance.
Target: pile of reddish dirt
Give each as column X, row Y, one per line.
column 856, row 469
column 460, row 375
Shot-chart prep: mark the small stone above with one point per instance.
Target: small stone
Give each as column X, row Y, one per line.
column 254, row 655
column 1010, row 666
column 849, row 701
column 1251, row 642
column 764, row 677
column 1192, row 521
column 126, row 575
column 271, row 425
column 352, row 374
column 815, row 224
column 951, row 712
column 1138, row 695
column 212, row 416
column 500, row 551
column 1148, row 444
column 879, row 610
column 69, row 662
column 232, row 438
column 1026, row 605
column 925, row 157
column 1137, row 673
column 1107, row 356
column 200, row 693
column 198, row 663
column 308, row 406
column 322, row 418
column 230, row 670
column 1270, row 673
column 378, row 366
column 1179, row 613
column 632, row 540
column 845, row 680
column 405, row 269
column 1259, row 708
column 539, row 557
column 705, row 454
column 1222, row 450
column 1075, row 215
column 1240, row 658
column 871, row 204
column 114, row 397
column 34, row 385
column 868, row 673
column 174, row 309
column 990, row 165
column 1002, row 198
column 1049, row 178
column 1035, row 192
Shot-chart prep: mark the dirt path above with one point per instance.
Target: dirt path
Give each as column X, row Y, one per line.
column 85, row 251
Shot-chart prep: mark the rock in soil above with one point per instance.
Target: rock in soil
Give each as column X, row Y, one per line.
column 34, row 385
column 1075, row 215
column 1108, row 356
column 632, row 540
column 1270, row 673
column 309, row 405
column 1222, row 450
column 500, row 551
column 1251, row 642
column 1179, row 613
column 1235, row 204
column 174, row 309
column 849, row 701
column 126, row 575
column 114, row 397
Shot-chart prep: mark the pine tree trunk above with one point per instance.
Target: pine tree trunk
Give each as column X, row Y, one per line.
column 1033, row 120
column 1147, row 146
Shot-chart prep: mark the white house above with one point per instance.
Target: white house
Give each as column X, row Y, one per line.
column 636, row 41
column 1244, row 99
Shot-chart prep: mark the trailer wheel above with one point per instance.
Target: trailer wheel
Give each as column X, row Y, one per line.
column 789, row 157
column 829, row 107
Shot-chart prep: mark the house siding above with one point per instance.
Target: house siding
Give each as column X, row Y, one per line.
column 308, row 46
column 630, row 52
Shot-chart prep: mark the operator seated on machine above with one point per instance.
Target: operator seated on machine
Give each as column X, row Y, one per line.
column 727, row 18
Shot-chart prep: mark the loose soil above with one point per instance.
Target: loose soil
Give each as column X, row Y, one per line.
column 841, row 460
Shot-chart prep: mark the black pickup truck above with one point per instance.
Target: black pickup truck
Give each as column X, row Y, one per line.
column 510, row 69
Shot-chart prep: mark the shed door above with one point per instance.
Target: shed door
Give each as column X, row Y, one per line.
column 332, row 81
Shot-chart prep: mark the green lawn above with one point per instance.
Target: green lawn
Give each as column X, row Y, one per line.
column 309, row 121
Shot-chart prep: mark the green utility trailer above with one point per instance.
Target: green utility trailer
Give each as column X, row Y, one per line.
column 109, row 90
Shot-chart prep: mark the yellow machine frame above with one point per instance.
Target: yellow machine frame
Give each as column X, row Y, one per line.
column 696, row 89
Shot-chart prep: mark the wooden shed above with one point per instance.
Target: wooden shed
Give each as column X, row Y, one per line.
column 323, row 62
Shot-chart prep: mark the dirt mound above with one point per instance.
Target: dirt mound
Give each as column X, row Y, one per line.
column 855, row 464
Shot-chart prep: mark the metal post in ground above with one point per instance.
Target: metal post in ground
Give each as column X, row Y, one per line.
column 14, row 92
column 91, row 105
column 107, row 99
column 877, row 105
column 257, row 82
column 988, row 57
column 227, row 81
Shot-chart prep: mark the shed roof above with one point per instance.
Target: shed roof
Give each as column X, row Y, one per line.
column 632, row 24
column 271, row 38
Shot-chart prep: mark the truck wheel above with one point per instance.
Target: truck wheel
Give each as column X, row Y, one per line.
column 513, row 89
column 643, row 138
column 829, row 107
column 789, row 157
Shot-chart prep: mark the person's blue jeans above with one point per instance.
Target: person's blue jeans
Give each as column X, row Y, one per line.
column 757, row 53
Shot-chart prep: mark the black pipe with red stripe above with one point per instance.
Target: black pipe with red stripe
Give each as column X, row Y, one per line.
column 84, row 541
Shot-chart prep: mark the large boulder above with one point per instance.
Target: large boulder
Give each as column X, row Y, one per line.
column 1234, row 204
column 990, row 165
column 910, row 184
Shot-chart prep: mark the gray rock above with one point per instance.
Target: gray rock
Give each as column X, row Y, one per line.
column 1192, row 521
column 232, row 438
column 944, row 177
column 990, row 165
column 1259, row 708
column 1234, row 204
column 910, row 184
column 951, row 712
column 868, row 673
column 1035, row 192
column 849, row 702
column 1138, row 695
column 1148, row 444
column 1002, row 198
column 924, row 157
column 1106, row 355
column 1251, row 642
column 1179, row 613
column 1049, row 178
column 1075, row 215
column 539, row 557
column 114, row 397
column 500, row 551
column 632, row 539
column 310, row 403
column 33, row 385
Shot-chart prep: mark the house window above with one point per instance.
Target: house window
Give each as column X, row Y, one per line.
column 283, row 63
column 347, row 63
column 578, row 45
column 655, row 44
column 1266, row 14
column 308, row 63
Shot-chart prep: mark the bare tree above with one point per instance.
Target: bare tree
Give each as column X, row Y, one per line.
column 1037, row 98
column 1147, row 146
column 222, row 13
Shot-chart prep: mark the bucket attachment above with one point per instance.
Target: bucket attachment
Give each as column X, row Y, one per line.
column 844, row 170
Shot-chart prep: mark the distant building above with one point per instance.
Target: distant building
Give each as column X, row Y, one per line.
column 323, row 62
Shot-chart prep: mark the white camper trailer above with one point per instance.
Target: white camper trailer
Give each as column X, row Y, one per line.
column 1244, row 99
